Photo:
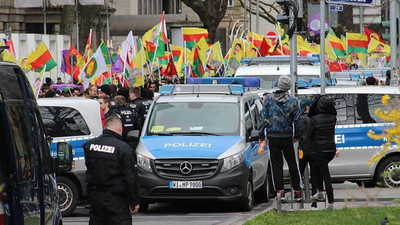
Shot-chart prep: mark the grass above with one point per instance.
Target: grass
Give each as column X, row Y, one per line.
column 361, row 216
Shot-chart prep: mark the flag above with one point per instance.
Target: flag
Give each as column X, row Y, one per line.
column 373, row 35
column 256, row 39
column 62, row 2
column 376, row 46
column 38, row 82
column 87, row 55
column 170, row 71
column 64, row 54
column 356, row 43
column 214, row 59
column 91, row 2
column 198, row 68
column 105, row 53
column 264, row 48
column 8, row 55
column 161, row 38
column 94, row 68
column 128, row 50
column 116, row 62
column 134, row 77
column 151, row 35
column 40, row 57
column 314, row 24
column 192, row 35
column 336, row 44
column 28, row 3
column 176, row 52
column 72, row 59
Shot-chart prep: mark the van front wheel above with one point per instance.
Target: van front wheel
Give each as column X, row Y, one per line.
column 68, row 195
column 247, row 203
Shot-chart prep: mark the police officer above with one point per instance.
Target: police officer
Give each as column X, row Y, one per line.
column 111, row 176
column 137, row 102
column 129, row 117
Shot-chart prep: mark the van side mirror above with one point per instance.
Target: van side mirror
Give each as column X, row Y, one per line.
column 254, row 136
column 64, row 157
column 133, row 135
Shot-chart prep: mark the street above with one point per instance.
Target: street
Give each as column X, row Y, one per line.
column 225, row 214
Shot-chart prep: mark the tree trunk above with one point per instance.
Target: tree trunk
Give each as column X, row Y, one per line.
column 88, row 17
column 67, row 20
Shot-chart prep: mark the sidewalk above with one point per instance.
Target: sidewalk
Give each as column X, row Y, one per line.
column 350, row 195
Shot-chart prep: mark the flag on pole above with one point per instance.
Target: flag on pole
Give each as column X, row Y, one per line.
column 38, row 82
column 94, row 68
column 356, row 43
column 256, row 39
column 191, row 35
column 376, row 46
column 128, row 50
column 373, row 35
column 198, row 68
column 73, row 57
column 40, row 57
column 87, row 54
column 336, row 44
column 170, row 71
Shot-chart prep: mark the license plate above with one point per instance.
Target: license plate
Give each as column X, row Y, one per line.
column 186, row 184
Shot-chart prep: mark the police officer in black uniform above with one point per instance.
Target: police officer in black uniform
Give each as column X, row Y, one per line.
column 111, row 176
column 129, row 118
column 136, row 103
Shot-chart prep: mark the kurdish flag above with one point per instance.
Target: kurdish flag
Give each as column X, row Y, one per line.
column 176, row 52
column 41, row 57
column 95, row 67
column 336, row 44
column 256, row 39
column 356, row 43
column 191, row 35
column 198, row 68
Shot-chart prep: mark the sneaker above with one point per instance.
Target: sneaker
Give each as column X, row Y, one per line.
column 282, row 195
column 297, row 195
column 330, row 207
column 314, row 208
column 319, row 196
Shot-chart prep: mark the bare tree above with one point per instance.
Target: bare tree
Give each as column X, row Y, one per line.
column 211, row 12
column 266, row 10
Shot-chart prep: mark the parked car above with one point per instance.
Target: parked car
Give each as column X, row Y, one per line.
column 71, row 120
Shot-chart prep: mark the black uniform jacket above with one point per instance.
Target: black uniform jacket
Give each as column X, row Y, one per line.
column 110, row 163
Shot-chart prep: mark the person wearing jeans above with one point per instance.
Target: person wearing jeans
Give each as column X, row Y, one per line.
column 321, row 132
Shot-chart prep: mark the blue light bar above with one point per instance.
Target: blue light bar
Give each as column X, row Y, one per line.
column 314, row 58
column 245, row 61
column 245, row 81
column 236, row 89
column 301, row 83
column 316, row 82
column 166, row 89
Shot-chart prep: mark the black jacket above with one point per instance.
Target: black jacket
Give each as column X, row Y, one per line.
column 321, row 129
column 110, row 163
column 305, row 142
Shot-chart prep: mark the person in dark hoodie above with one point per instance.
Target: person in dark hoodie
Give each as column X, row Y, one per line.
column 321, row 132
column 280, row 114
column 307, row 154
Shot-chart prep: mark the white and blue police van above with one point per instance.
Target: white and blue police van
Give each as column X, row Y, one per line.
column 356, row 116
column 200, row 142
column 75, row 121
column 28, row 188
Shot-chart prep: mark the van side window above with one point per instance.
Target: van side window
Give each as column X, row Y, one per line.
column 247, row 119
column 344, row 107
column 22, row 142
column 366, row 106
column 63, row 121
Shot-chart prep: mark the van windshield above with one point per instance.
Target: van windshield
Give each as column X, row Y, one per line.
column 194, row 118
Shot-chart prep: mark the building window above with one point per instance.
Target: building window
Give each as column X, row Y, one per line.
column 231, row 3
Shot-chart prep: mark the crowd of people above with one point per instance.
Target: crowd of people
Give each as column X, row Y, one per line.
column 312, row 124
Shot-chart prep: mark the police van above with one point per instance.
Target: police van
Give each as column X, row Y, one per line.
column 200, row 142
column 356, row 116
column 72, row 120
column 269, row 69
column 28, row 189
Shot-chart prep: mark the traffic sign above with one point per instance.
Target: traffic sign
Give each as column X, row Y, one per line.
column 334, row 7
column 352, row 2
column 271, row 35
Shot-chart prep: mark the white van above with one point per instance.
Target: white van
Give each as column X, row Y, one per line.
column 269, row 69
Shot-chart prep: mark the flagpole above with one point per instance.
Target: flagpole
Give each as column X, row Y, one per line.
column 142, row 66
column 77, row 24
column 107, row 21
column 184, row 55
column 44, row 17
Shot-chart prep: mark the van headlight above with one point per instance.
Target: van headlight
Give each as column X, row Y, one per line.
column 232, row 161
column 143, row 162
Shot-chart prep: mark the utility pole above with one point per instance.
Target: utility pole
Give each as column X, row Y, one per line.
column 393, row 43
column 77, row 24
column 322, row 44
column 257, row 16
column 293, row 53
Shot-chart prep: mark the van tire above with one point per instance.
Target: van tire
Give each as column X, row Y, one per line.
column 388, row 173
column 248, row 202
column 262, row 194
column 68, row 195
